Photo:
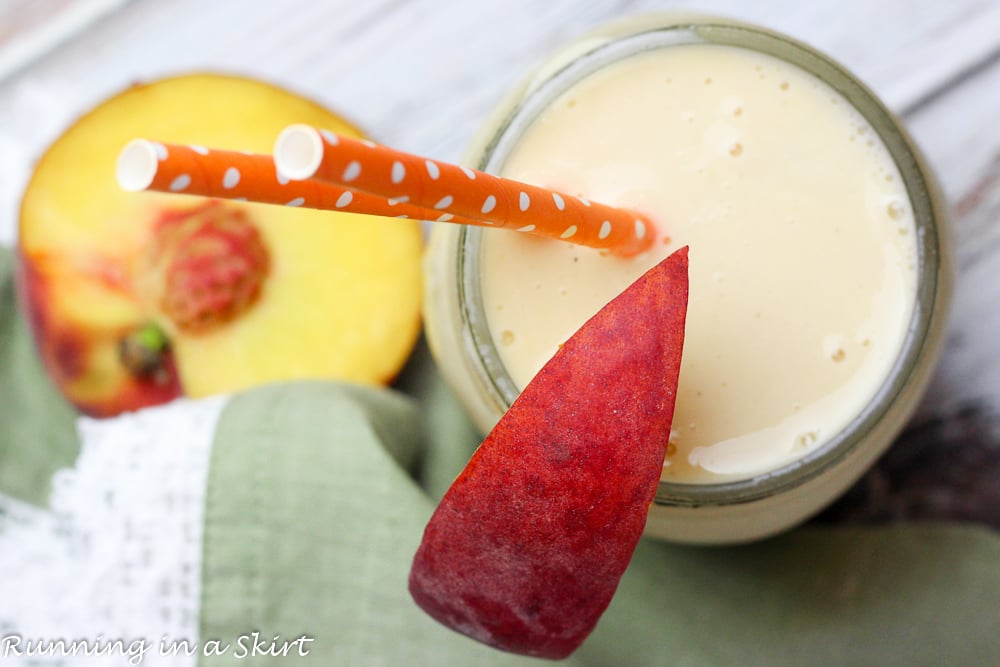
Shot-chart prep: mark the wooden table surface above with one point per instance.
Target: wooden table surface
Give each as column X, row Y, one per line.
column 422, row 74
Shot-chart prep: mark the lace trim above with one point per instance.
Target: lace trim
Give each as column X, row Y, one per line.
column 118, row 555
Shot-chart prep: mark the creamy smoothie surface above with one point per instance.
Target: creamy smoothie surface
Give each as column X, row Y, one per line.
column 802, row 246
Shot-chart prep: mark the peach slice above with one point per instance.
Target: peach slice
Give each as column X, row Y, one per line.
column 527, row 547
column 136, row 298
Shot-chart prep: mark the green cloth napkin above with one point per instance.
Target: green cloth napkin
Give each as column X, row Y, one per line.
column 312, row 522
column 37, row 432
column 907, row 595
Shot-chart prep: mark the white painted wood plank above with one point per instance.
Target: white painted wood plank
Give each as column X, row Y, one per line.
column 969, row 373
column 30, row 29
column 960, row 135
column 902, row 48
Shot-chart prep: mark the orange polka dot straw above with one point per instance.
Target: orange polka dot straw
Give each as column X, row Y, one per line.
column 304, row 152
column 318, row 169
column 196, row 170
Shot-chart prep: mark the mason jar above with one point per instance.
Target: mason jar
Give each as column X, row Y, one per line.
column 753, row 501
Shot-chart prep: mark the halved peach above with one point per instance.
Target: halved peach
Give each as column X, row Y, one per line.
column 135, row 298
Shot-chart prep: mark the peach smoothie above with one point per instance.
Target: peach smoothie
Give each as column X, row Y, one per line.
column 803, row 251
column 819, row 266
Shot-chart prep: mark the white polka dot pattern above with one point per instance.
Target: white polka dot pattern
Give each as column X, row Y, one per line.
column 241, row 176
column 473, row 197
column 231, row 179
column 181, row 183
column 640, row 229
column 398, row 172
column 330, row 137
column 352, row 171
column 362, row 177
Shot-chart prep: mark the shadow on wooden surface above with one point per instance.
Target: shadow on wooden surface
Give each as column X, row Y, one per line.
column 945, row 469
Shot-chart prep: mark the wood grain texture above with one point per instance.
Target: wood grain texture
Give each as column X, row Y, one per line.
column 30, row 29
column 961, row 138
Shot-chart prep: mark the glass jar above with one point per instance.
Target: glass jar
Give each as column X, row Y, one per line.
column 706, row 513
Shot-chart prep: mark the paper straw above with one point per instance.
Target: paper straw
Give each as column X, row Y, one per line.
column 303, row 152
column 196, row 170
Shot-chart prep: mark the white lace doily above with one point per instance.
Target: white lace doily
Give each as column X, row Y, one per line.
column 117, row 557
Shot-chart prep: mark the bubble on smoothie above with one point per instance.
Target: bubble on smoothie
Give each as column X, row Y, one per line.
column 806, row 440
column 895, row 209
column 723, row 138
column 672, row 443
column 731, row 105
column 834, row 348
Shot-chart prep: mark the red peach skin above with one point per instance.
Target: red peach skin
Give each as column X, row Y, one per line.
column 526, row 549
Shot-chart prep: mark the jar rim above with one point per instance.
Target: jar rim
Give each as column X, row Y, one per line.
column 920, row 189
